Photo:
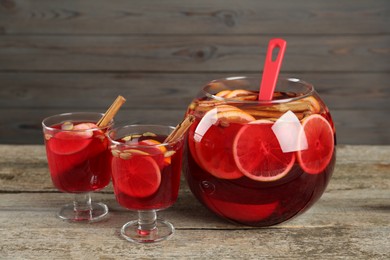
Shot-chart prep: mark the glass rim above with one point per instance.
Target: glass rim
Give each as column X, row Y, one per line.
column 309, row 87
column 72, row 130
column 163, row 144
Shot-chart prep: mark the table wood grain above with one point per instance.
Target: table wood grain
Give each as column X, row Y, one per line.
column 350, row 221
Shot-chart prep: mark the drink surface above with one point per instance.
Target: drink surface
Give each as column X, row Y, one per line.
column 146, row 173
column 78, row 157
column 259, row 164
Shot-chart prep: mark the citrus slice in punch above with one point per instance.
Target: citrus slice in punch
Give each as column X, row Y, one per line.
column 191, row 142
column 320, row 144
column 257, row 152
column 214, row 137
column 223, row 93
column 241, row 94
column 139, row 176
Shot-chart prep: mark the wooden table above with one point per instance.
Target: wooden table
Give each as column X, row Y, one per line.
column 351, row 220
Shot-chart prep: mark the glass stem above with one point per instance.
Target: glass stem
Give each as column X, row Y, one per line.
column 147, row 222
column 82, row 205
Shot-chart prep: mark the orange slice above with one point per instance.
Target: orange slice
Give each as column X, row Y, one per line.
column 159, row 152
column 72, row 140
column 139, row 176
column 154, row 143
column 239, row 93
column 80, row 129
column 223, row 93
column 320, row 140
column 315, row 105
column 235, row 116
column 213, row 138
column 65, row 143
column 191, row 141
column 258, row 155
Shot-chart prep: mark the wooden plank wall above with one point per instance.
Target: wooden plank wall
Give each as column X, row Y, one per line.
column 78, row 55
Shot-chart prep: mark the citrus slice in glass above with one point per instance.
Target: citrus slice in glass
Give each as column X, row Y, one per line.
column 257, row 152
column 139, row 176
column 85, row 126
column 64, row 143
column 157, row 151
column 72, row 140
column 214, row 137
column 320, row 144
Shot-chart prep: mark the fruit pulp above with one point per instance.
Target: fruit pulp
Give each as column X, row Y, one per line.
column 238, row 170
column 79, row 161
column 146, row 173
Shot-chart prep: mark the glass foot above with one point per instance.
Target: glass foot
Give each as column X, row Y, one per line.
column 96, row 212
column 163, row 231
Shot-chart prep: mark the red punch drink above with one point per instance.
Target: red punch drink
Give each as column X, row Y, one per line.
column 79, row 159
column 146, row 172
column 146, row 168
column 259, row 163
column 77, row 153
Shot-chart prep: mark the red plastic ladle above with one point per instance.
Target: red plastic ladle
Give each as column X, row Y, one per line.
column 271, row 68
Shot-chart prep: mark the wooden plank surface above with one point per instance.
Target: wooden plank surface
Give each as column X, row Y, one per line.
column 199, row 17
column 351, row 220
column 354, row 53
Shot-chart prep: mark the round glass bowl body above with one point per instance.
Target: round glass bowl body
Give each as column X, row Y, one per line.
column 259, row 163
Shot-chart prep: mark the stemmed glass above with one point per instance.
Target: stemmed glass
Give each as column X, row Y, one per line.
column 79, row 161
column 146, row 177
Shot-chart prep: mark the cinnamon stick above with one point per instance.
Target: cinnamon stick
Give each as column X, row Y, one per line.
column 180, row 129
column 111, row 112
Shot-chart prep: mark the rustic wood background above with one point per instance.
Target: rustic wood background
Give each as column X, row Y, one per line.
column 78, row 55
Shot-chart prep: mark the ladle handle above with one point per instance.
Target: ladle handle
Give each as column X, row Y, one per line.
column 271, row 68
